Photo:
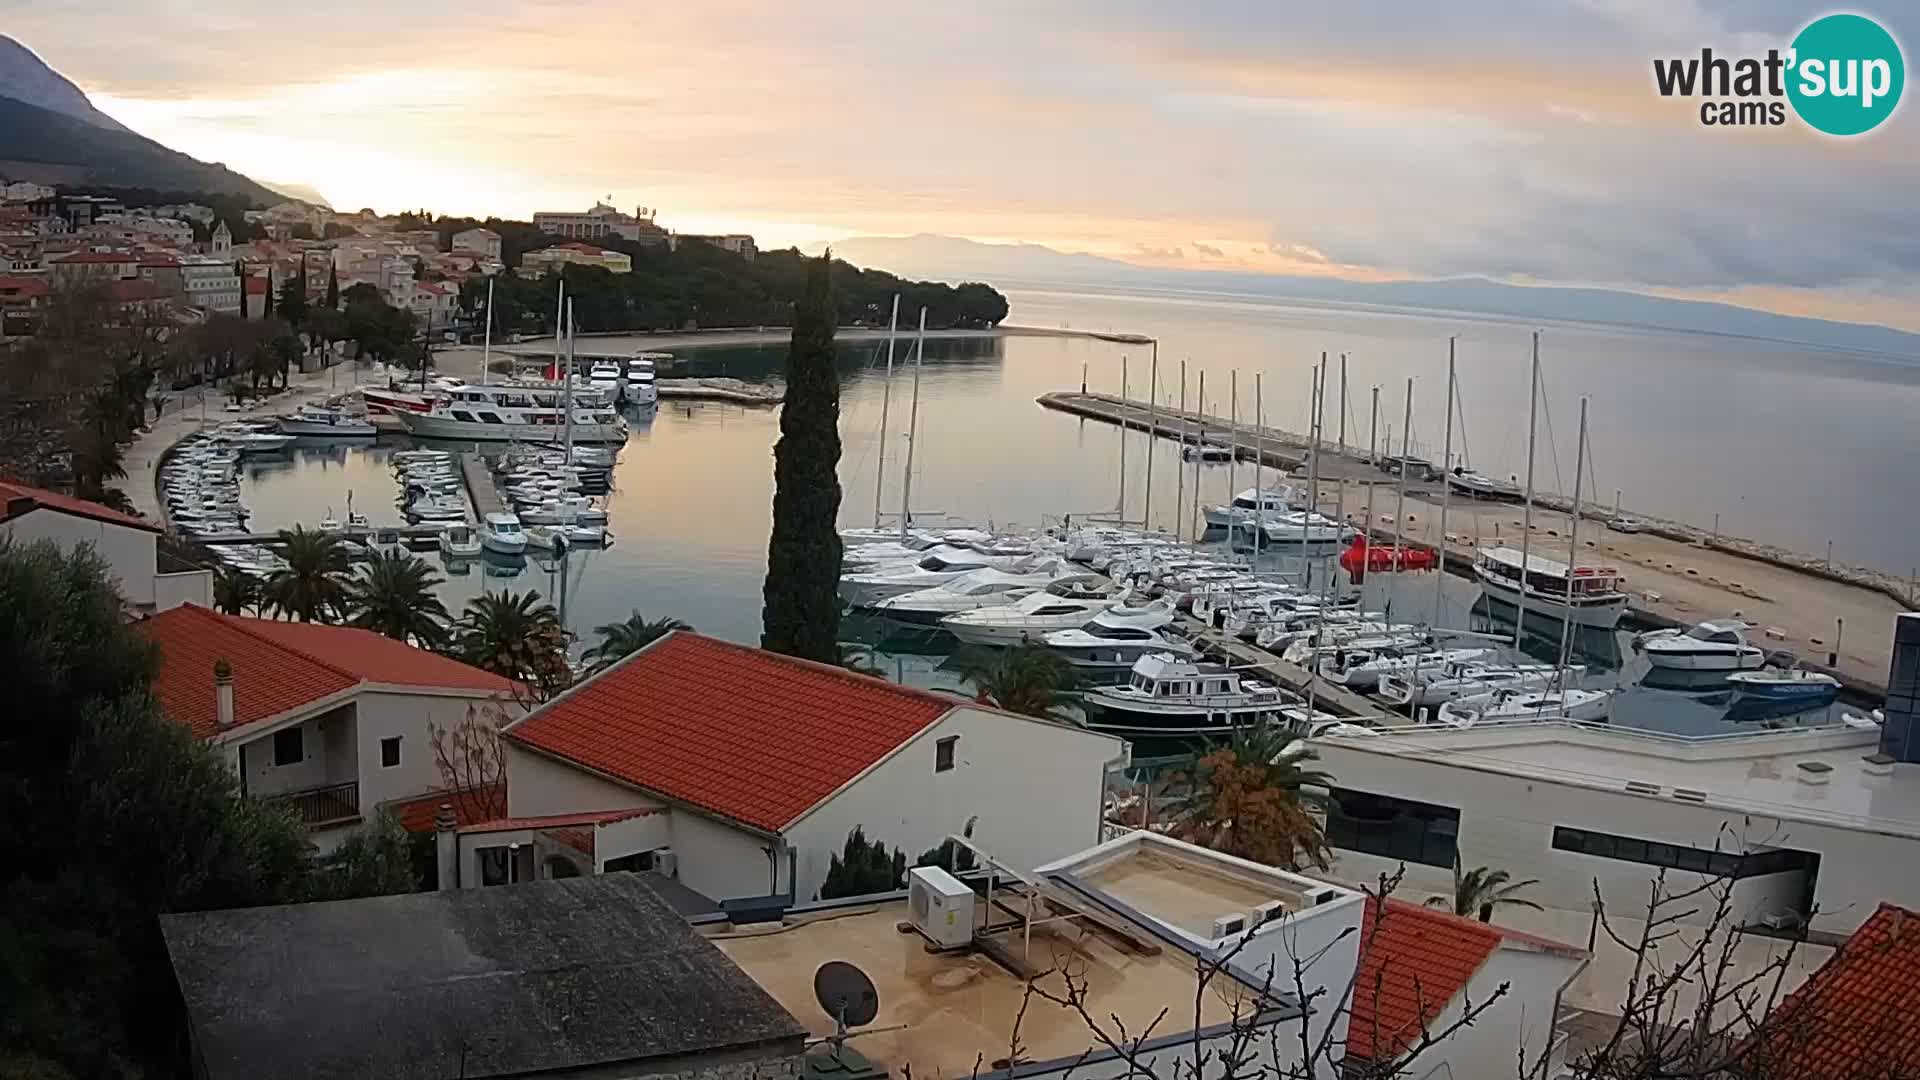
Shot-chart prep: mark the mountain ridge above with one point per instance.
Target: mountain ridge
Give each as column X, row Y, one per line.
column 25, row 77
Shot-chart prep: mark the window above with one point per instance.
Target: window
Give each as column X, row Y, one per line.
column 639, row 861
column 1672, row 856
column 496, row 866
column 491, row 418
column 943, row 753
column 463, row 416
column 390, row 752
column 289, row 748
column 1393, row 827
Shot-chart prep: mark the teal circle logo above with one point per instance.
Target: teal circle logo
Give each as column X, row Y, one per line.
column 1846, row 75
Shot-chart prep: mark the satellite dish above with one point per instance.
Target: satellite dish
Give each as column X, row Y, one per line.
column 846, row 994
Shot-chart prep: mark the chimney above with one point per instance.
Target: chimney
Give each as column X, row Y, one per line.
column 446, row 848
column 1900, row 724
column 223, row 695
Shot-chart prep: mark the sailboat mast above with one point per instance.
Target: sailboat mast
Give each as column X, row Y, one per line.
column 1179, row 467
column 1125, row 406
column 568, row 375
column 1400, row 500
column 1259, row 470
column 886, row 403
column 1343, row 405
column 559, row 320
column 1373, row 446
column 1313, row 409
column 1233, row 450
column 1153, row 436
column 1313, row 466
column 913, row 426
column 486, row 340
column 1526, row 522
column 1573, row 548
column 1446, row 495
column 1199, row 454
column 1340, row 489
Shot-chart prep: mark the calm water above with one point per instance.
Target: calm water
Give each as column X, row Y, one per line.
column 1787, row 444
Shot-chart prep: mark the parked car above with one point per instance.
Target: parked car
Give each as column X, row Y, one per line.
column 1627, row 525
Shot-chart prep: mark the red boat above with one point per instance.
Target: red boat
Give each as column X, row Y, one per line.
column 394, row 401
column 1359, row 559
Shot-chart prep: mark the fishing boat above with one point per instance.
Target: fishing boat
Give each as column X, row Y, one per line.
column 460, row 542
column 1511, row 704
column 503, row 534
column 520, row 411
column 1464, row 481
column 1714, row 645
column 1168, row 694
column 1063, row 605
column 327, row 422
column 1451, row 682
column 1582, row 595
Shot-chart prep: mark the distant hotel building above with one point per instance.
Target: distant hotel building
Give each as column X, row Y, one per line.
column 546, row 260
column 603, row 221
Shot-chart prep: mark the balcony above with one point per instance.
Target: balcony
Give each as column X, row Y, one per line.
column 319, row 807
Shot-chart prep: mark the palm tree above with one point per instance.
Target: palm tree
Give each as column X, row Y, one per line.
column 312, row 585
column 235, row 591
column 1246, row 797
column 621, row 639
column 1028, row 679
column 1479, row 890
column 1282, row 751
column 518, row 636
column 394, row 595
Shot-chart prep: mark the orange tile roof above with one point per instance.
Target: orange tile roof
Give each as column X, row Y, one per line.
column 42, row 499
column 1410, row 968
column 416, row 815
column 279, row 666
column 744, row 734
column 1853, row 1017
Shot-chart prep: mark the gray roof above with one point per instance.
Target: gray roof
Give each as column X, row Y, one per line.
column 470, row 982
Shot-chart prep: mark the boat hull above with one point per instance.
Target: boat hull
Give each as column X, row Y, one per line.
column 430, row 426
column 1600, row 616
column 1004, row 635
column 1117, row 718
column 311, row 429
column 1746, row 659
column 501, row 545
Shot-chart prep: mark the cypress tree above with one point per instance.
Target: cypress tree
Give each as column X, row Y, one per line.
column 333, row 288
column 267, row 310
column 801, row 615
column 240, row 271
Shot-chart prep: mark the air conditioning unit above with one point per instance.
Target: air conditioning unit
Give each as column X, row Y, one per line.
column 941, row 906
column 1269, row 911
column 1229, row 925
column 665, row 862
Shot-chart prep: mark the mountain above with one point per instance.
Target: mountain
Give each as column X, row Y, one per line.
column 300, row 192
column 26, row 77
column 948, row 258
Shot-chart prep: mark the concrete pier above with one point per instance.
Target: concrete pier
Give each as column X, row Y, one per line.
column 480, row 486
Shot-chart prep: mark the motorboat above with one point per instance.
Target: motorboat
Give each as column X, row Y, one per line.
column 1514, row 704
column 642, row 373
column 1361, row 668
column 1451, row 682
column 1307, row 648
column 460, row 542
column 1473, row 485
column 503, row 534
column 1210, row 455
column 315, row 421
column 545, row 538
column 1251, row 505
column 1284, row 618
column 437, row 509
column 605, row 376
column 1113, row 639
column 1585, row 595
column 518, row 411
column 1169, row 694
column 571, row 511
column 1211, row 605
column 253, row 442
column 582, row 535
column 1299, row 527
column 1794, row 686
column 944, row 563
column 1063, row 605
column 981, row 588
column 1714, row 645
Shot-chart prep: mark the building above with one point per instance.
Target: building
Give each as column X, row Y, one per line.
column 333, row 721
column 435, row 303
column 593, row 977
column 147, row 578
column 749, row 770
column 105, row 265
column 25, row 191
column 210, row 284
column 739, row 243
column 481, row 242
column 186, row 211
column 220, row 243
column 1851, row 1018
column 21, row 299
column 256, row 287
column 544, row 261
column 603, row 221
column 143, row 228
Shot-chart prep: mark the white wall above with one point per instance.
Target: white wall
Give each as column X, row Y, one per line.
column 632, row 836
column 189, row 587
column 1521, row 1018
column 538, row 786
column 128, row 551
column 1326, row 939
column 1035, row 787
column 385, row 713
column 720, row 861
column 1507, row 822
column 332, row 728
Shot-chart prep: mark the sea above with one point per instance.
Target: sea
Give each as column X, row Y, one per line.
column 1781, row 442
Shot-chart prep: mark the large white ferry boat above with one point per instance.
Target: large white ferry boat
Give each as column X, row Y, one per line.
column 517, row 411
column 1587, row 595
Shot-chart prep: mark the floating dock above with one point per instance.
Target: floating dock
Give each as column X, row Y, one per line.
column 1326, row 696
column 1270, row 446
column 732, row 391
column 480, row 487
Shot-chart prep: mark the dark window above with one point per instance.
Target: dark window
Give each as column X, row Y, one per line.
column 496, row 866
column 943, row 753
column 464, row 416
column 490, row 418
column 288, row 747
column 1393, row 827
column 390, row 752
column 1697, row 860
column 639, row 860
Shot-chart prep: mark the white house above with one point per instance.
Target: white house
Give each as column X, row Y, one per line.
column 210, row 283
column 746, row 771
column 130, row 545
column 482, row 242
column 25, row 191
column 332, row 720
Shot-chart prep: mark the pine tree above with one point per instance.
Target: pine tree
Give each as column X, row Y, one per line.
column 333, row 288
column 801, row 613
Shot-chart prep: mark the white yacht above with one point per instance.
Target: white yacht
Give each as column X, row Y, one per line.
column 523, row 411
column 502, row 533
column 576, row 510
column 1211, row 606
column 642, row 371
column 1714, row 645
column 1451, row 682
column 1592, row 594
column 605, row 377
column 981, row 588
column 1304, row 527
column 459, row 542
column 940, row 564
column 1113, row 639
column 316, row 421
column 1253, row 504
column 1362, row 668
column 1063, row 605
column 248, row 441
column 1513, row 704
column 1473, row 485
column 1167, row 694
column 1358, row 634
column 437, row 508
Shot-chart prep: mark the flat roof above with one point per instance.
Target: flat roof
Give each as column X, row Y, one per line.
column 957, row 1007
column 1745, row 773
column 1180, row 894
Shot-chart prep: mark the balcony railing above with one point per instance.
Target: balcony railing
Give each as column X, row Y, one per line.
column 328, row 805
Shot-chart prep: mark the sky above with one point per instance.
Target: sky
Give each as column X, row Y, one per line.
column 1368, row 140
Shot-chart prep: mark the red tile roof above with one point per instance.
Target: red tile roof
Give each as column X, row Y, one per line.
column 279, row 666
column 1410, row 968
column 1852, row 1018
column 744, row 734
column 102, row 257
column 416, row 815
column 30, row 287
column 35, row 498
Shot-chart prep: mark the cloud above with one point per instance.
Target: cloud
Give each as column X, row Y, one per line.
column 1209, row 250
